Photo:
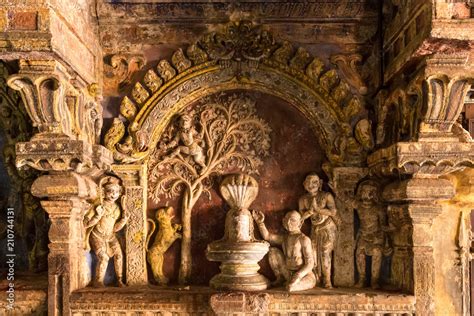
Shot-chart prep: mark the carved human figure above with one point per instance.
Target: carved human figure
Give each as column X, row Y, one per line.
column 400, row 231
column 294, row 263
column 370, row 240
column 320, row 207
column 166, row 236
column 101, row 229
column 190, row 138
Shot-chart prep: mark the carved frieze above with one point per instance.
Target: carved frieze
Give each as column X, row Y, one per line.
column 426, row 157
column 62, row 155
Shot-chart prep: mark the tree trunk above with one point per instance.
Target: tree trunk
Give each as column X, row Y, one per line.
column 186, row 258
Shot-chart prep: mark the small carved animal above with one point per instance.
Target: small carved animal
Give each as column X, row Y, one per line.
column 165, row 237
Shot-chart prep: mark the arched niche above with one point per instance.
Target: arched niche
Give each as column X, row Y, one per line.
column 242, row 56
column 294, row 152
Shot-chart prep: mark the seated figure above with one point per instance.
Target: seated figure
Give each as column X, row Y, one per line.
column 295, row 263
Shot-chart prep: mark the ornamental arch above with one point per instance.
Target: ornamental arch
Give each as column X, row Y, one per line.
column 241, row 56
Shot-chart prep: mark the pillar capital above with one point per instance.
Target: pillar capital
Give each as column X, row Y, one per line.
column 59, row 103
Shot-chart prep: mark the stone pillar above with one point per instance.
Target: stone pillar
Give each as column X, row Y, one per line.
column 345, row 181
column 134, row 203
column 418, row 197
column 65, row 150
column 66, row 205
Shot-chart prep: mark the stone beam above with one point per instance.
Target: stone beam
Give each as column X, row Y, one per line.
column 58, row 29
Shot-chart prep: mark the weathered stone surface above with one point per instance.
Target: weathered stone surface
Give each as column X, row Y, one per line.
column 313, row 69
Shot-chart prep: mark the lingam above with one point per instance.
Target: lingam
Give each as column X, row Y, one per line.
column 238, row 250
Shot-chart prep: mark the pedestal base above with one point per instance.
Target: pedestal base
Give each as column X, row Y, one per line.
column 239, row 268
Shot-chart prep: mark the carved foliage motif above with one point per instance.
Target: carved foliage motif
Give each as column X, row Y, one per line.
column 135, row 235
column 229, row 135
column 244, row 45
column 57, row 104
column 121, row 68
column 425, row 105
column 232, row 135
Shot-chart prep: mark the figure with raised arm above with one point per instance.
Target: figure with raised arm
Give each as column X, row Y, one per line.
column 102, row 228
column 294, row 263
column 187, row 141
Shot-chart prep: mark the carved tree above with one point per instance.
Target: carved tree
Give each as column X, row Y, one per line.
column 231, row 136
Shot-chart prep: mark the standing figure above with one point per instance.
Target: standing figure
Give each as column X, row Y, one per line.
column 166, row 236
column 370, row 238
column 321, row 208
column 101, row 229
column 295, row 263
column 190, row 138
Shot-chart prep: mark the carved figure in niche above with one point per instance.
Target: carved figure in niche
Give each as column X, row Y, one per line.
column 295, row 262
column 165, row 237
column 320, row 207
column 190, row 138
column 370, row 240
column 101, row 229
column 400, row 231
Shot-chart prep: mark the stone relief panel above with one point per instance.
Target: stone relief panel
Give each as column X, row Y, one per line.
column 292, row 153
column 101, row 224
column 230, row 135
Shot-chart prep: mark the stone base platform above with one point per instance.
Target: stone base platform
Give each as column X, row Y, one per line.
column 28, row 297
column 155, row 300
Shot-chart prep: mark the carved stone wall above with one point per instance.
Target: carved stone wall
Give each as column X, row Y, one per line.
column 313, row 69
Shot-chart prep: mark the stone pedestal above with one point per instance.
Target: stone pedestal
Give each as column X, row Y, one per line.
column 239, row 268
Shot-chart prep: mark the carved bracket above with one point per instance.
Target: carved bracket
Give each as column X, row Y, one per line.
column 445, row 100
column 422, row 158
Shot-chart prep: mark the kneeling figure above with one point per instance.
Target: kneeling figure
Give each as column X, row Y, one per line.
column 293, row 264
